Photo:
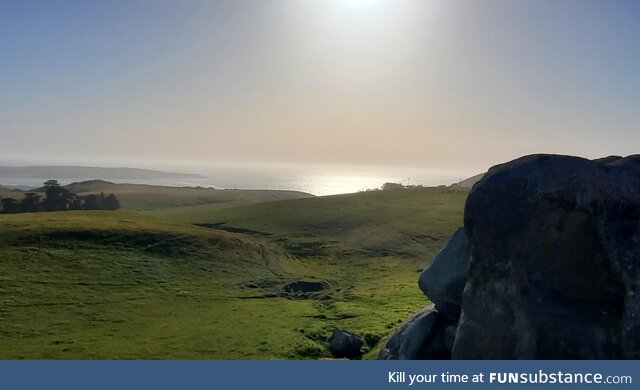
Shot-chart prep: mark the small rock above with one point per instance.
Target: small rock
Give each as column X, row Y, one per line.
column 421, row 337
column 344, row 344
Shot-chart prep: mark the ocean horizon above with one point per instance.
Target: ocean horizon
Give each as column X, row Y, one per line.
column 313, row 179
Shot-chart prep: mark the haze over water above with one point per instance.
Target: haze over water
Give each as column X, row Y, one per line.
column 324, row 179
column 313, row 179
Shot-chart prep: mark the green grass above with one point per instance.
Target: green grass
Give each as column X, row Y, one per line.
column 407, row 223
column 110, row 285
column 149, row 197
column 5, row 193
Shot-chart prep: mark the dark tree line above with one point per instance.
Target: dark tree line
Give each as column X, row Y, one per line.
column 58, row 198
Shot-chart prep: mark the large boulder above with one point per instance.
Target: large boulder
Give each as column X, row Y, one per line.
column 444, row 280
column 345, row 345
column 554, row 265
column 421, row 337
column 450, row 336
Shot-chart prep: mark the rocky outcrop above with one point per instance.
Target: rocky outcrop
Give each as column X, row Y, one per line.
column 421, row 337
column 552, row 245
column 345, row 345
column 444, row 280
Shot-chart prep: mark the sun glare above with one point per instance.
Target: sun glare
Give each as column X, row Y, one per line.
column 358, row 3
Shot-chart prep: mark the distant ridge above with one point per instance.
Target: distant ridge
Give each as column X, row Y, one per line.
column 73, row 172
column 468, row 183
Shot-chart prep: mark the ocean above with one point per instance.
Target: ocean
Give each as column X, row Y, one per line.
column 313, row 179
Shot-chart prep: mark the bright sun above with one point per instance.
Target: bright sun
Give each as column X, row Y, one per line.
column 359, row 2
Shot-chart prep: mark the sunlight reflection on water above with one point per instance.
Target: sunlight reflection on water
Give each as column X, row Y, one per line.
column 317, row 180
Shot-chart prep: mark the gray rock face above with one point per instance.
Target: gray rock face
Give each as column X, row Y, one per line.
column 450, row 337
column 546, row 267
column 444, row 281
column 421, row 337
column 344, row 344
column 555, row 261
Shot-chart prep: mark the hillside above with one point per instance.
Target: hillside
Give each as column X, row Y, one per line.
column 6, row 190
column 149, row 197
column 112, row 285
column 115, row 285
column 9, row 192
column 71, row 172
column 469, row 182
column 409, row 222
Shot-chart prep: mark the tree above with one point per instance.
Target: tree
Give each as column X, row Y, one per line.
column 100, row 202
column 30, row 203
column 110, row 202
column 9, row 206
column 91, row 202
column 56, row 196
column 75, row 202
column 51, row 184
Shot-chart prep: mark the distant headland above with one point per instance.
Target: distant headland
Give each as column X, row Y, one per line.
column 73, row 172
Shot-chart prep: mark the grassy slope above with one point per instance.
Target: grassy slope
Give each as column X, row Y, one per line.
column 114, row 285
column 410, row 223
column 9, row 193
column 120, row 285
column 148, row 197
column 371, row 243
column 138, row 197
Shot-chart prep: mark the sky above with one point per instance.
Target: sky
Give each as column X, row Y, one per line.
column 446, row 84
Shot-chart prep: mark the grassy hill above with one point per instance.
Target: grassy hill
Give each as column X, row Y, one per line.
column 139, row 197
column 125, row 285
column 407, row 223
column 115, row 285
column 6, row 192
column 149, row 197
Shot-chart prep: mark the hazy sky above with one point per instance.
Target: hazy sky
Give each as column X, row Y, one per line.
column 392, row 82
